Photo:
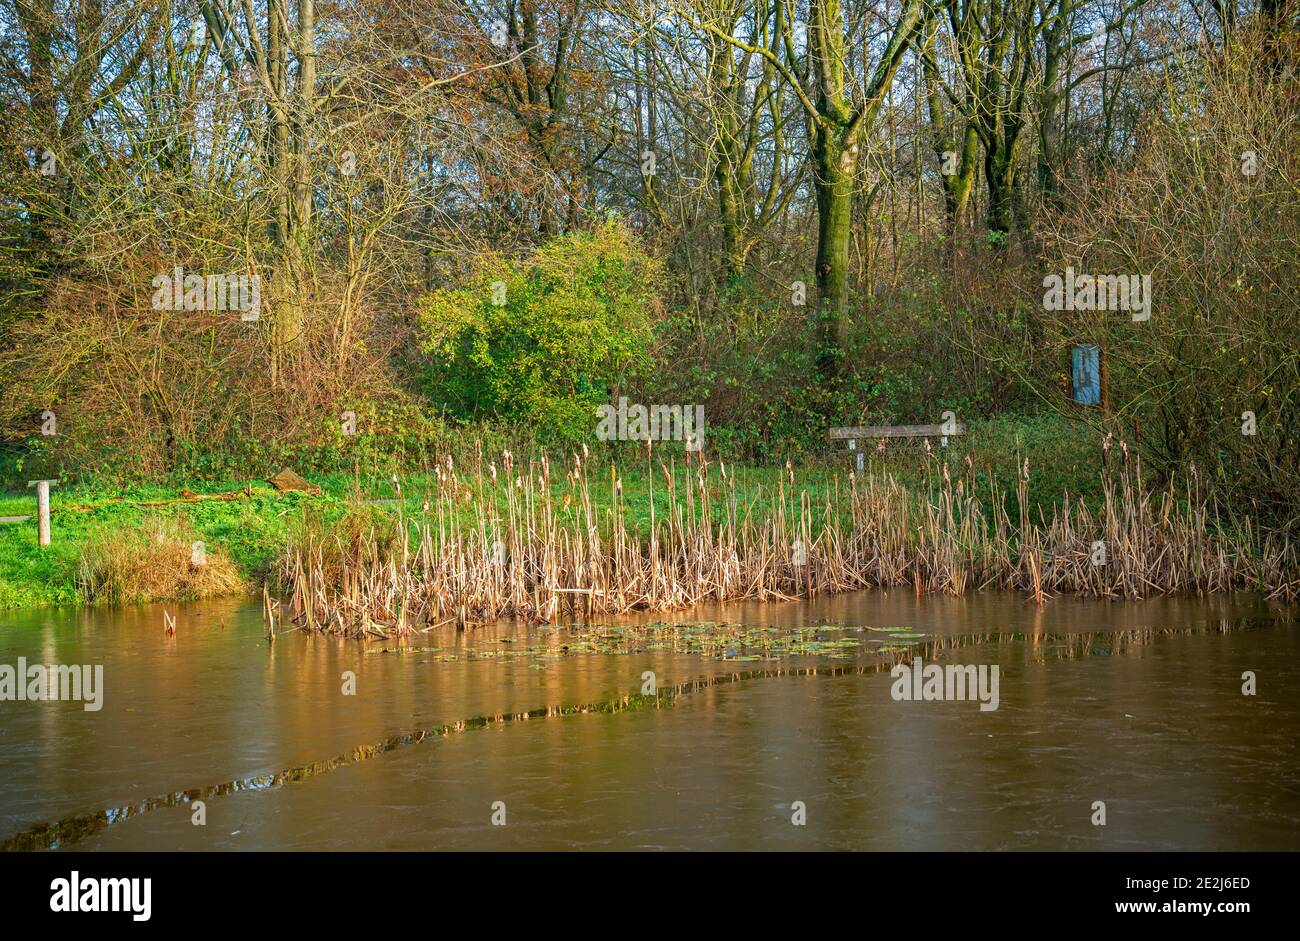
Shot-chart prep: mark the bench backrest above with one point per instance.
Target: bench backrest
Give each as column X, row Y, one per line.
column 896, row 431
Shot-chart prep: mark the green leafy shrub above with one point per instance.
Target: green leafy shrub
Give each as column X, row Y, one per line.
column 545, row 339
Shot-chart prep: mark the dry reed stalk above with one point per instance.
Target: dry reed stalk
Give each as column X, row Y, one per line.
column 514, row 545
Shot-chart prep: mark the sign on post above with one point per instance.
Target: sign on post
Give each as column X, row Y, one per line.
column 1086, row 375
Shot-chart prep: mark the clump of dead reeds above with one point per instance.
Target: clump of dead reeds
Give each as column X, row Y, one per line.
column 512, row 540
column 156, row 561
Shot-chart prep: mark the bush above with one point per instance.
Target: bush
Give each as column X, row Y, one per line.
column 1219, row 244
column 545, row 339
column 138, row 393
column 913, row 352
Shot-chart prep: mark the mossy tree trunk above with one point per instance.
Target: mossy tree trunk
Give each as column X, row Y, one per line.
column 838, row 124
column 954, row 138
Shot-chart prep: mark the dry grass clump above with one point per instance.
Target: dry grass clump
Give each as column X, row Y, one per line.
column 157, row 561
column 491, row 545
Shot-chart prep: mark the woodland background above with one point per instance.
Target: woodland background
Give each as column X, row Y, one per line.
column 651, row 181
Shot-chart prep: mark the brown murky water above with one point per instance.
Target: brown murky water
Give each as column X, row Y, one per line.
column 1136, row 705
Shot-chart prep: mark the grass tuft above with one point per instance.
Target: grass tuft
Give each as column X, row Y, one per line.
column 156, row 561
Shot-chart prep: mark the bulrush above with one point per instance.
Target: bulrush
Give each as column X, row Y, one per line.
column 520, row 547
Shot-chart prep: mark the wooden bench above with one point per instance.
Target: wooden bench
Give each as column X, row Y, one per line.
column 854, row 432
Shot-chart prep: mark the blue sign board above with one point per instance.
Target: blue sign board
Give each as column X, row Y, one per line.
column 1086, row 378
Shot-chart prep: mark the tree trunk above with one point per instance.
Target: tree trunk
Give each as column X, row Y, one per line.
column 731, row 221
column 1049, row 100
column 307, row 95
column 834, row 186
column 957, row 188
column 999, row 172
column 43, row 211
column 957, row 185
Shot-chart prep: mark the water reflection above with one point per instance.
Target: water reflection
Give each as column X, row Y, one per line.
column 715, row 759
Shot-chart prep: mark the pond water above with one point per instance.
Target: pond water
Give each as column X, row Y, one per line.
column 783, row 714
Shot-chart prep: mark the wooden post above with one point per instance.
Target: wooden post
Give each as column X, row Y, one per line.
column 42, row 509
column 853, row 446
column 1104, row 379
